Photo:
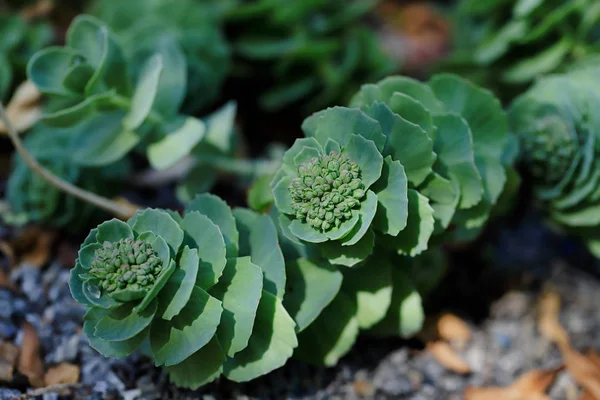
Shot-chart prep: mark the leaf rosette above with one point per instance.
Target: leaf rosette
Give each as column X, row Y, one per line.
column 425, row 156
column 200, row 290
column 558, row 125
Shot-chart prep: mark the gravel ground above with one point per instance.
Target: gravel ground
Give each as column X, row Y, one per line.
column 505, row 343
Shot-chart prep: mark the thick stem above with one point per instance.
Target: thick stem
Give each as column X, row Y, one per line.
column 119, row 210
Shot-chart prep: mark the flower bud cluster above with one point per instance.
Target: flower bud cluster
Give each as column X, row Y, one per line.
column 550, row 150
column 127, row 264
column 327, row 188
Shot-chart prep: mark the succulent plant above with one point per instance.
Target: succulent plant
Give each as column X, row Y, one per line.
column 89, row 88
column 558, row 126
column 408, row 160
column 311, row 53
column 204, row 291
column 33, row 199
column 199, row 33
column 506, row 43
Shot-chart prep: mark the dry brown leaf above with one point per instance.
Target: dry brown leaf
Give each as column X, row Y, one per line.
column 548, row 321
column 593, row 356
column 364, row 388
column 24, row 108
column 9, row 353
column 5, row 281
column 529, row 386
column 30, row 360
column 584, row 371
column 452, row 328
column 39, row 254
column 64, row 373
column 447, row 357
column 586, row 396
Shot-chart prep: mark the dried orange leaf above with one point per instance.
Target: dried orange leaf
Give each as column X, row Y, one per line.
column 39, row 254
column 24, row 108
column 30, row 360
column 452, row 328
column 584, row 371
column 529, row 386
column 447, row 357
column 64, row 373
column 548, row 319
column 9, row 354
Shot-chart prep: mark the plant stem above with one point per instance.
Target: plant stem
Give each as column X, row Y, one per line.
column 121, row 211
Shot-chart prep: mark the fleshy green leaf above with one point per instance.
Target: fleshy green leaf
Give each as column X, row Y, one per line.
column 405, row 316
column 339, row 123
column 372, row 285
column 113, row 231
column 177, row 144
column 349, row 256
column 392, row 198
column 86, row 254
column 454, row 146
column 113, row 349
column 144, row 94
column 75, row 285
column 415, row 237
column 282, row 195
column 124, row 323
column 162, row 224
column 368, row 208
column 240, row 290
column 365, row 154
column 101, row 140
column 159, row 284
column 202, row 234
column 201, row 368
column 311, row 287
column 331, row 335
column 272, row 342
column 178, row 289
column 195, row 325
column 220, row 213
column 258, row 239
column 307, row 233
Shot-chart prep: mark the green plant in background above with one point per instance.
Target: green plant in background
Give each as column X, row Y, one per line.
column 504, row 43
column 203, row 292
column 195, row 25
column 33, row 199
column 558, row 124
column 316, row 53
column 20, row 40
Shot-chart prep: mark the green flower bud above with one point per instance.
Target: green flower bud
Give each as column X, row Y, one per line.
column 327, row 188
column 126, row 264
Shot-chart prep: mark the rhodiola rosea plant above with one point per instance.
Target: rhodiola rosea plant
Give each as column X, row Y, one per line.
column 375, row 187
column 558, row 124
column 200, row 294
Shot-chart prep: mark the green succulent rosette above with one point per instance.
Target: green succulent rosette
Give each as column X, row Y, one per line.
column 33, row 199
column 504, row 44
column 406, row 162
column 200, row 294
column 313, row 54
column 199, row 33
column 114, row 105
column 558, row 126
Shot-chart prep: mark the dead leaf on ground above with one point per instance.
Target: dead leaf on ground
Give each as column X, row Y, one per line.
column 30, row 360
column 24, row 108
column 586, row 396
column 529, row 386
column 364, row 388
column 9, row 354
column 64, row 373
column 584, row 370
column 447, row 357
column 32, row 245
column 452, row 328
column 548, row 318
